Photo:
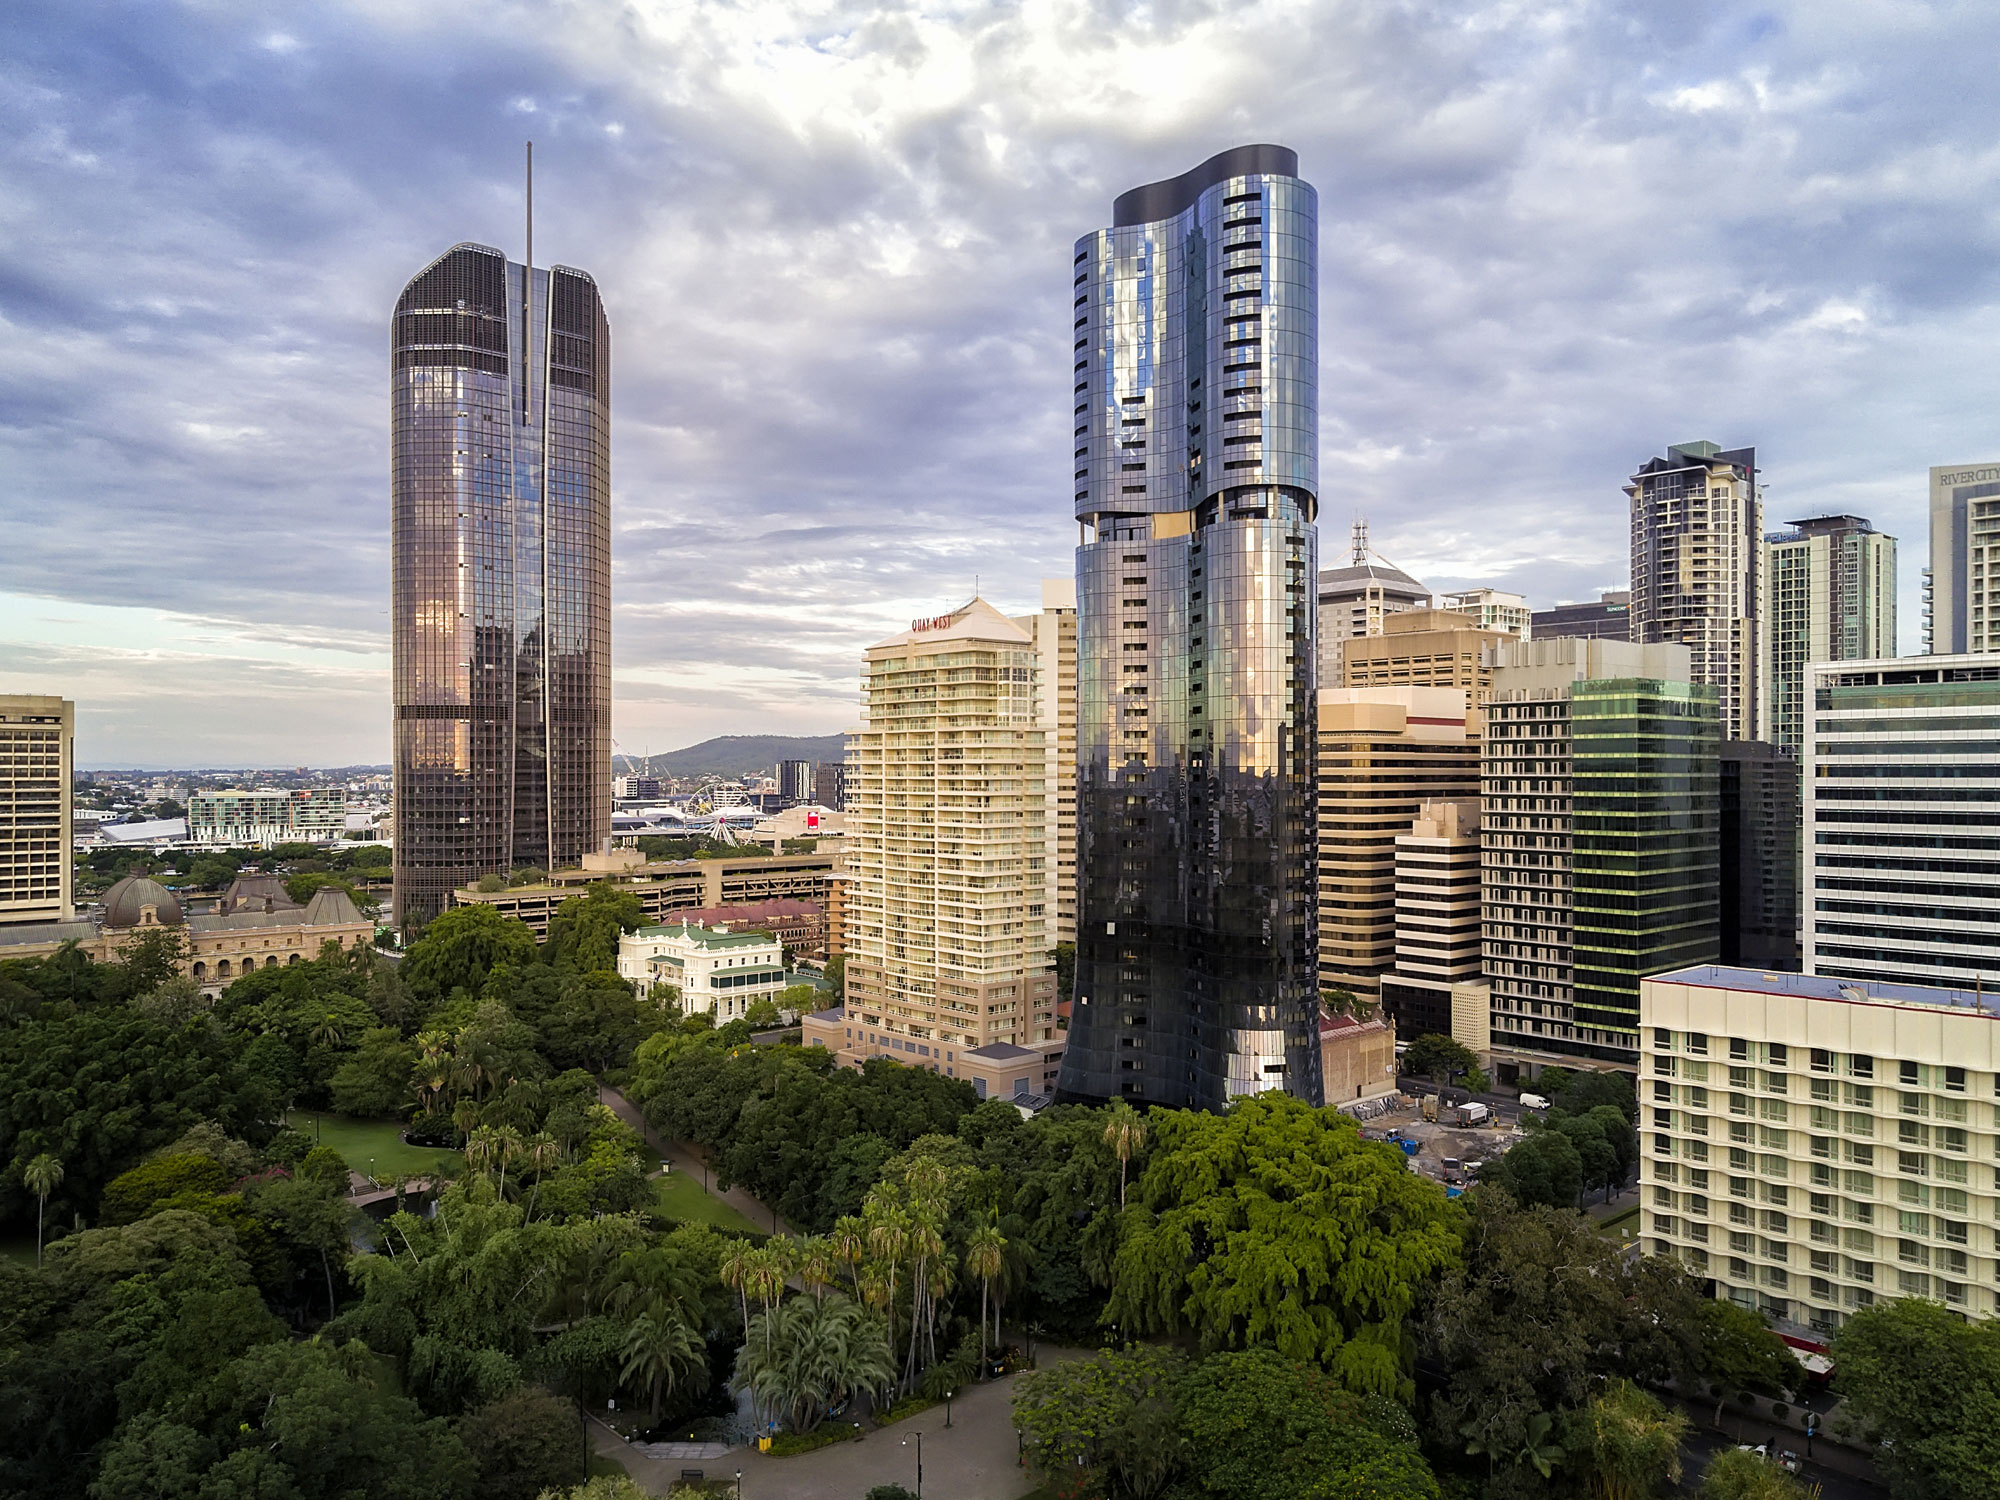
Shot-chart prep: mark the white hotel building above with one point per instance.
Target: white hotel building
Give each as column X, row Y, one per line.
column 1814, row 1144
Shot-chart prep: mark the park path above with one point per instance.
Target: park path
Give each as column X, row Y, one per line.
column 976, row 1458
column 690, row 1159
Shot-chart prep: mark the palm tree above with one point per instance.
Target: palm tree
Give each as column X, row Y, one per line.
column 807, row 1357
column 849, row 1242
column 542, row 1151
column 480, row 1148
column 1125, row 1134
column 986, row 1258
column 466, row 1117
column 506, row 1146
column 329, row 1032
column 735, row 1269
column 664, row 1352
column 41, row 1177
column 819, row 1267
column 888, row 1238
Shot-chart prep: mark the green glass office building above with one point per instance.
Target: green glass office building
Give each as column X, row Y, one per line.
column 1646, row 820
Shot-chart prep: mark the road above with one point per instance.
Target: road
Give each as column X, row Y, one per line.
column 1844, row 1482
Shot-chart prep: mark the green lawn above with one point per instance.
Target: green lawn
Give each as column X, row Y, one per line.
column 681, row 1197
column 360, row 1141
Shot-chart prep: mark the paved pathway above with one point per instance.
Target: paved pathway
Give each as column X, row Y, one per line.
column 686, row 1158
column 977, row 1458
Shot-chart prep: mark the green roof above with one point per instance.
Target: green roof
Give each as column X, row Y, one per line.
column 709, row 939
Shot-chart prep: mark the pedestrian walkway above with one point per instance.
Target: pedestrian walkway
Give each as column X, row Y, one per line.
column 684, row 1158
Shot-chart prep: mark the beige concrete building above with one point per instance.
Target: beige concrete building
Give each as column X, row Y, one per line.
column 1493, row 609
column 259, row 817
column 37, row 773
column 1424, row 648
column 1357, row 601
column 1053, row 631
column 946, row 920
column 1436, row 987
column 665, row 887
column 1357, row 1058
column 1383, row 753
column 1817, row 1144
column 998, row 1070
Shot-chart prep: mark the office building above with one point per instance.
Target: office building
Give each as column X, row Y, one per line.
column 264, row 816
column 1357, row 1058
column 1697, row 525
column 37, row 774
column 1383, row 753
column 500, row 502
column 1493, row 609
column 1961, row 611
column 1815, row 1145
column 1196, row 329
column 1758, row 896
column 1423, row 648
column 636, row 788
column 1608, row 618
column 946, row 923
column 1599, row 827
column 795, row 780
column 1437, row 986
column 1358, row 601
column 830, row 785
column 1902, row 800
column 1829, row 595
column 1053, row 631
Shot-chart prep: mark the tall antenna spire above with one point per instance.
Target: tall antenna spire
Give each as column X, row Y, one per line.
column 1360, row 543
column 528, row 295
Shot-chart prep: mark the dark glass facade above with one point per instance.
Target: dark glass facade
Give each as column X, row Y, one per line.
column 1645, row 821
column 1757, row 903
column 500, row 514
column 1196, row 367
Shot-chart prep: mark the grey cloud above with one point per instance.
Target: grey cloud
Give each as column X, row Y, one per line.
column 1555, row 237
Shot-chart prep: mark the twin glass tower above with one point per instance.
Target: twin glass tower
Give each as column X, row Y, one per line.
column 500, row 500
column 1196, row 369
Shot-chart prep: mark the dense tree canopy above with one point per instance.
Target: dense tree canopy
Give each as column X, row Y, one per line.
column 1926, row 1383
column 1276, row 1224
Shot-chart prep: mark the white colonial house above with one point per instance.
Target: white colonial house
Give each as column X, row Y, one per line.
column 716, row 970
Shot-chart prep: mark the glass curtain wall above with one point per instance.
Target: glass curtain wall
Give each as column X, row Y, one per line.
column 500, row 556
column 1646, row 826
column 1196, row 326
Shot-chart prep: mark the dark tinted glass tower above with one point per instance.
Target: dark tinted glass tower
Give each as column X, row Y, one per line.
column 1196, row 330
column 500, row 500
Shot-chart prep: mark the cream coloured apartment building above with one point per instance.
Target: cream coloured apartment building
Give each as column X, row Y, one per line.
column 37, row 773
column 1053, row 631
column 1816, row 1144
column 947, row 923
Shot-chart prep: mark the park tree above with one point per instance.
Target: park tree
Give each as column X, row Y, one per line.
column 523, row 1443
column 1630, row 1443
column 1739, row 1352
column 1442, row 1060
column 460, row 948
column 1276, row 1224
column 1075, row 1415
column 1544, row 1169
column 375, row 1080
column 808, row 1355
column 1739, row 1474
column 585, row 929
column 1925, row 1383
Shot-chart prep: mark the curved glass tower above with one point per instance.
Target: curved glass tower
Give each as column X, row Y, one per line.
column 1197, row 474
column 500, row 501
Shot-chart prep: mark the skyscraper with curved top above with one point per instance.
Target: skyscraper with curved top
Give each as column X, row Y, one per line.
column 1197, row 475
column 500, row 501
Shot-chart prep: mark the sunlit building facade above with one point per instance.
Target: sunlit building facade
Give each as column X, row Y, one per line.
column 500, row 399
column 1196, row 354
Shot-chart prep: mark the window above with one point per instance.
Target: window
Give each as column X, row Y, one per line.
column 1822, row 1060
column 1739, row 1050
column 1860, row 1066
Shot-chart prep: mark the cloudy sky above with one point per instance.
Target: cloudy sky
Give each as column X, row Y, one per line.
column 834, row 243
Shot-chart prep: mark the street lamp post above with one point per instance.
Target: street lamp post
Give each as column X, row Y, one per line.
column 947, row 1407
column 739, row 1484
column 920, row 1462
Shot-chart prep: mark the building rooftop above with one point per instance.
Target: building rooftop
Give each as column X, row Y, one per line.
column 707, row 937
column 1360, row 575
column 1827, row 987
column 831, row 1016
column 1346, row 1025
column 1000, row 1052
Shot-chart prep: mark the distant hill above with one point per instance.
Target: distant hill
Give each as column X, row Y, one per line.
column 735, row 755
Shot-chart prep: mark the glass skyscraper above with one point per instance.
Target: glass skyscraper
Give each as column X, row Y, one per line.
column 500, row 501
column 1196, row 354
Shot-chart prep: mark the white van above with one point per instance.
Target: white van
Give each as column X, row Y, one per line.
column 1533, row 1101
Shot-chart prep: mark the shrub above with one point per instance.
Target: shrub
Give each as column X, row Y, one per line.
column 786, row 1444
column 133, row 1195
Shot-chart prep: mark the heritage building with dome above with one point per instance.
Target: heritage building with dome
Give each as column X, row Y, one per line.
column 255, row 925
